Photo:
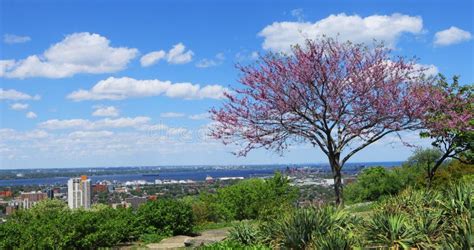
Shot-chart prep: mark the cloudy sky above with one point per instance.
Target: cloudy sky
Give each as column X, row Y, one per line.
column 120, row 83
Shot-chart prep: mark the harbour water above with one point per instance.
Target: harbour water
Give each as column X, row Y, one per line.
column 195, row 175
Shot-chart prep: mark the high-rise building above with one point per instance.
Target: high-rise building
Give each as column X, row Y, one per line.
column 79, row 192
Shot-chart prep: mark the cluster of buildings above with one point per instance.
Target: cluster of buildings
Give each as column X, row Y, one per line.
column 78, row 193
column 208, row 179
column 81, row 193
column 310, row 177
column 78, row 196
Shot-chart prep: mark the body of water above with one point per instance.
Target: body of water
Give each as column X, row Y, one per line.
column 198, row 175
column 195, row 175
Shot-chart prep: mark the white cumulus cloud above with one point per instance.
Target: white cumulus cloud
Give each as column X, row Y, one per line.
column 11, row 94
column 19, row 106
column 122, row 122
column 450, row 36
column 125, row 87
column 106, row 111
column 152, row 58
column 176, row 55
column 179, row 55
column 76, row 53
column 280, row 36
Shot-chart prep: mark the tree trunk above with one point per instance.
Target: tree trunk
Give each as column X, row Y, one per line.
column 431, row 173
column 429, row 177
column 336, row 172
column 338, row 188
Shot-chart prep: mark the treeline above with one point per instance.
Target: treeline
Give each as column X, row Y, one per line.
column 378, row 182
column 50, row 224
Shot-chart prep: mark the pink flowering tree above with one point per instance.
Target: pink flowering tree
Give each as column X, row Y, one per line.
column 339, row 97
column 449, row 121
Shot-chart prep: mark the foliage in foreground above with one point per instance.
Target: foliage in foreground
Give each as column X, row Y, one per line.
column 414, row 219
column 51, row 225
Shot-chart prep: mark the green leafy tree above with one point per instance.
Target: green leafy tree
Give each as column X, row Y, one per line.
column 166, row 217
column 426, row 160
column 373, row 183
column 253, row 198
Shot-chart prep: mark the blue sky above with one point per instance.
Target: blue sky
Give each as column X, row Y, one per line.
column 119, row 83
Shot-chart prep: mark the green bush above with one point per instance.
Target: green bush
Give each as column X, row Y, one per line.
column 311, row 227
column 51, row 225
column 458, row 211
column 333, row 240
column 390, row 230
column 207, row 208
column 245, row 233
column 376, row 183
column 166, row 217
column 246, row 200
column 372, row 184
column 424, row 219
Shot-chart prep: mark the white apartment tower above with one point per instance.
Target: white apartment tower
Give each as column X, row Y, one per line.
column 79, row 192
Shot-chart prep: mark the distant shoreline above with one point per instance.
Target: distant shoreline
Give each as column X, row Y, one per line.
column 60, row 176
column 322, row 164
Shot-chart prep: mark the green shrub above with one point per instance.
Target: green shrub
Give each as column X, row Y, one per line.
column 51, row 225
column 372, row 183
column 207, row 208
column 306, row 227
column 391, row 230
column 166, row 217
column 333, row 240
column 247, row 200
column 458, row 210
column 245, row 233
column 424, row 219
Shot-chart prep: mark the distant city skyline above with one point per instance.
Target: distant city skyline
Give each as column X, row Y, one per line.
column 130, row 83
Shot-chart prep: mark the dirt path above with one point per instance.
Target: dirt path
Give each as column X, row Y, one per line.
column 180, row 241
